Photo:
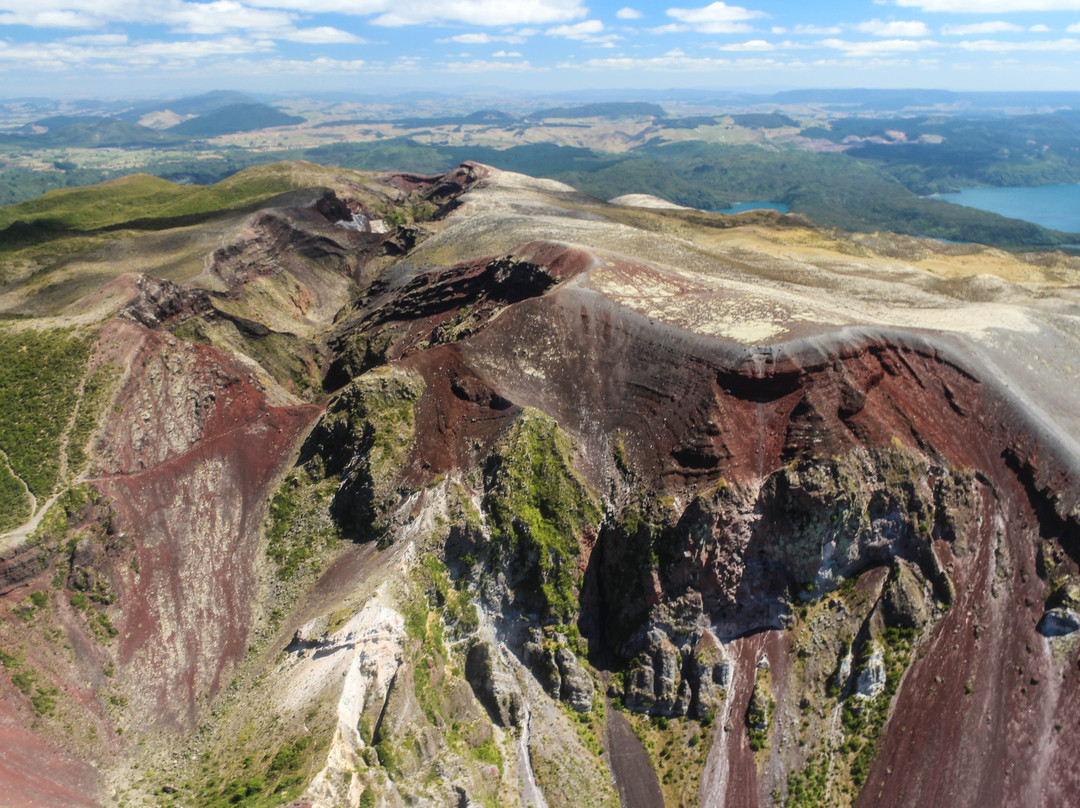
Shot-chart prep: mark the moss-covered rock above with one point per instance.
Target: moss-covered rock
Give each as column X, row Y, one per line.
column 364, row 439
column 540, row 510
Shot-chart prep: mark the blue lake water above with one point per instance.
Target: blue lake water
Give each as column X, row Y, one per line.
column 1054, row 206
column 761, row 204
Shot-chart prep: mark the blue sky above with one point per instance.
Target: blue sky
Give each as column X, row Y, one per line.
column 121, row 47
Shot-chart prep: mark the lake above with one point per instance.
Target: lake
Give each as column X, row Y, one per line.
column 1053, row 206
column 761, row 204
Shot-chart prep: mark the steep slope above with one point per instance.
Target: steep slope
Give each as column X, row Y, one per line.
column 535, row 500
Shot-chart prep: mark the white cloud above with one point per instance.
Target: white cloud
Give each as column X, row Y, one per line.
column 1074, row 29
column 66, row 55
column 976, row 28
column 98, row 39
column 482, row 66
column 37, row 18
column 397, row 13
column 580, row 30
column 587, row 31
column 893, row 28
column 480, row 38
column 292, row 67
column 878, row 46
column 991, row 6
column 670, row 28
column 817, row 30
column 224, row 15
column 322, row 35
column 470, row 39
column 996, row 46
column 717, row 18
column 628, row 14
column 1039, row 29
column 676, row 61
column 506, row 55
column 751, row 45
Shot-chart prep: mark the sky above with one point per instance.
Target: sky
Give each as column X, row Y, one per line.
column 153, row 47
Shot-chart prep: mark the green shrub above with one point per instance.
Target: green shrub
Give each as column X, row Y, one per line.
column 39, row 377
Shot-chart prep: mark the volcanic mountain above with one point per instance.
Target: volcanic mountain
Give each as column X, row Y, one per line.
column 334, row 489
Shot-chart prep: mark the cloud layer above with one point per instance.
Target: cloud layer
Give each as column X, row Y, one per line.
column 916, row 42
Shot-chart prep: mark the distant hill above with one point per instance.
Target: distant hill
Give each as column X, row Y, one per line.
column 141, row 197
column 897, row 100
column 189, row 105
column 763, row 120
column 234, row 118
column 490, row 116
column 619, row 109
column 60, row 121
column 91, row 133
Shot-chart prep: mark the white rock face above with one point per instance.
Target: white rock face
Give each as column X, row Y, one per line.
column 366, row 652
column 871, row 679
column 646, row 201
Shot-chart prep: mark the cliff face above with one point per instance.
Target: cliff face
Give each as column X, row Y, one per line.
column 594, row 506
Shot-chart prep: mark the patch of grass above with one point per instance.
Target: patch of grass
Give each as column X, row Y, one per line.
column 24, row 680
column 809, row 788
column 38, row 379
column 282, row 780
column 299, row 524
column 489, row 752
column 43, row 701
column 98, row 388
column 678, row 750
column 141, row 197
column 760, row 711
column 14, row 499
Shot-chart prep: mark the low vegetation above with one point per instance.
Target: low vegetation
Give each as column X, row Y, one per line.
column 299, row 527
column 39, row 378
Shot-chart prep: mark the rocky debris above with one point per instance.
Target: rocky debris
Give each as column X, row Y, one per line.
column 403, row 240
column 653, row 685
column 1066, row 595
column 843, row 670
column 364, row 656
column 656, row 683
column 577, row 687
column 904, row 603
column 760, row 709
column 871, row 680
column 711, row 668
column 540, row 658
column 1058, row 623
column 20, row 565
column 494, row 686
column 159, row 301
column 349, row 214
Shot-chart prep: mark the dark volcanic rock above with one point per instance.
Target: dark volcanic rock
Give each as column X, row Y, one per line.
column 493, row 684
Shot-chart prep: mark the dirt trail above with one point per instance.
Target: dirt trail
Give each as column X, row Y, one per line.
column 17, row 536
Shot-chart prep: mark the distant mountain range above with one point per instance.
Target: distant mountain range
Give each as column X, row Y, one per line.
column 213, row 118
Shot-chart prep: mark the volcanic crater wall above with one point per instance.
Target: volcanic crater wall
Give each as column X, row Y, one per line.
column 840, row 568
column 744, row 487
